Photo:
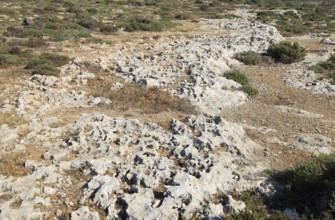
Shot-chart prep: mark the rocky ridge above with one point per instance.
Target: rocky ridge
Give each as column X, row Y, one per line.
column 129, row 169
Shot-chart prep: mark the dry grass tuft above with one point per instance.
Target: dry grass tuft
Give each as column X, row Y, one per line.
column 5, row 197
column 150, row 100
column 11, row 119
column 12, row 164
column 16, row 204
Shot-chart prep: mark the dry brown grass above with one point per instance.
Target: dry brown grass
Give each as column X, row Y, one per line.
column 11, row 119
column 74, row 192
column 5, row 197
column 12, row 164
column 16, row 204
column 150, row 100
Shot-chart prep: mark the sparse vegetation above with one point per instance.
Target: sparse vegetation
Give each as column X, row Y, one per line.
column 326, row 69
column 248, row 58
column 149, row 99
column 309, row 189
column 243, row 80
column 286, row 52
column 238, row 77
column 47, row 63
column 12, row 164
column 143, row 24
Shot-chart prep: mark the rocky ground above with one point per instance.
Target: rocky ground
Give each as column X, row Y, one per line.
column 87, row 145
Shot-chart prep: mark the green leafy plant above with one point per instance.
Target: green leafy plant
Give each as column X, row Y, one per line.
column 286, row 52
column 47, row 63
column 243, row 80
column 237, row 77
column 326, row 68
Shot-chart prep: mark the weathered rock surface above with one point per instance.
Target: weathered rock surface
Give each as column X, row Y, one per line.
column 145, row 170
column 132, row 169
column 196, row 65
column 314, row 143
column 308, row 80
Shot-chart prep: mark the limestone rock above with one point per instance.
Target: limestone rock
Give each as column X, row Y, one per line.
column 84, row 213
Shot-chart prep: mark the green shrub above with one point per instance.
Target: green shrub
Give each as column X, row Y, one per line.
column 55, row 59
column 309, row 188
column 46, row 70
column 243, row 80
column 6, row 60
column 14, row 50
column 87, row 21
column 286, row 52
column 137, row 24
column 50, row 8
column 251, row 91
column 237, row 77
column 107, row 29
column 332, row 58
column 143, row 24
column 327, row 68
column 327, row 65
column 35, row 42
column 317, row 68
column 47, row 63
column 15, row 31
column 92, row 10
column 74, row 9
column 332, row 78
column 182, row 16
column 248, row 58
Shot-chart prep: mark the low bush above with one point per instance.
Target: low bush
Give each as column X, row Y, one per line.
column 14, row 50
column 326, row 68
column 35, row 42
column 237, row 77
column 74, row 9
column 92, row 10
column 107, row 29
column 143, row 24
column 309, row 190
column 248, row 58
column 286, row 52
column 137, row 24
column 251, row 91
column 15, row 31
column 6, row 60
column 47, row 63
column 50, row 8
column 243, row 80
column 182, row 16
column 46, row 70
column 87, row 21
column 13, row 55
